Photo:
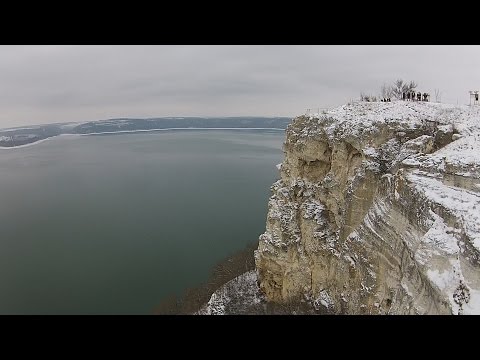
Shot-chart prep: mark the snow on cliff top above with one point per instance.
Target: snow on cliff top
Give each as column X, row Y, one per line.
column 366, row 113
column 356, row 118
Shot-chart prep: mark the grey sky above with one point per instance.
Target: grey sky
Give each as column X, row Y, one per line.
column 45, row 84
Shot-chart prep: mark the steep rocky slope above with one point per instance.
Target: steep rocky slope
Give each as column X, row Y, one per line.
column 238, row 296
column 377, row 211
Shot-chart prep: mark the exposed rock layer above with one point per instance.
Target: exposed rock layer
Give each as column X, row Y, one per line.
column 377, row 211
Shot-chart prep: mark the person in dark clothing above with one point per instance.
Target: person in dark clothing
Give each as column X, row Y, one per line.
column 408, row 96
column 419, row 96
column 403, row 96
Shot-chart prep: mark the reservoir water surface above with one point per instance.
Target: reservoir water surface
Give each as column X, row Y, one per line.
column 111, row 224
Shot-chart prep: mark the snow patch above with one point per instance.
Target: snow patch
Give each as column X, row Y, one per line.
column 441, row 236
column 324, row 300
column 235, row 297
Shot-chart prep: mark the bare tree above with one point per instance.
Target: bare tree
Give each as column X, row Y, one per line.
column 438, row 95
column 399, row 87
column 386, row 91
column 367, row 98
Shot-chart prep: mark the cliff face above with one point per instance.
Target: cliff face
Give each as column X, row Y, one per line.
column 377, row 211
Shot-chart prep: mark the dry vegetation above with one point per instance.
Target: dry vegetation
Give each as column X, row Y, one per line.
column 227, row 269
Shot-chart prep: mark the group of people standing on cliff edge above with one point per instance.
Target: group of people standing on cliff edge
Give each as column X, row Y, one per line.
column 411, row 95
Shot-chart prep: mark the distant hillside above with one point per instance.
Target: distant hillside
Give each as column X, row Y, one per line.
column 22, row 136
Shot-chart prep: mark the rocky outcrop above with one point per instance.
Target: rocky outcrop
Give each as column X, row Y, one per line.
column 377, row 211
column 238, row 296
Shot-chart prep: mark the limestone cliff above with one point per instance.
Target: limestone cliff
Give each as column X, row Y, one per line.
column 377, row 211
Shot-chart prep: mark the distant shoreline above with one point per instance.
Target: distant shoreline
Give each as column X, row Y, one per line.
column 34, row 142
column 190, row 128
column 129, row 132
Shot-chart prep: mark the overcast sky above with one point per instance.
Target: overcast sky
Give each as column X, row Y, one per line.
column 46, row 84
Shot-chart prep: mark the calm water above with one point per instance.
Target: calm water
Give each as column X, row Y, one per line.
column 111, row 224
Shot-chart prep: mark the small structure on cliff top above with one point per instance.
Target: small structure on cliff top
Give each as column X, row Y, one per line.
column 474, row 96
